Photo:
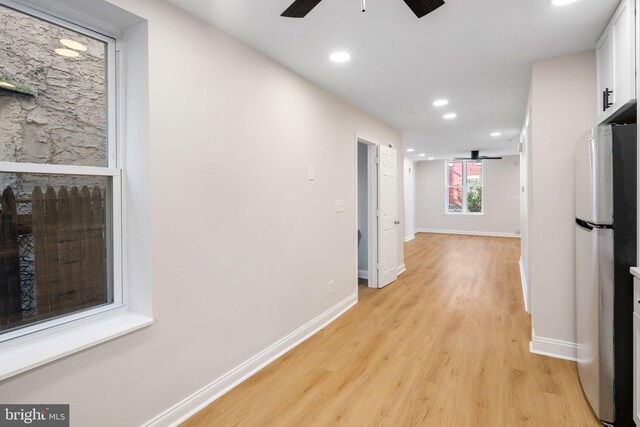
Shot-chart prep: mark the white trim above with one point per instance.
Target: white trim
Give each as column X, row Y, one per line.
column 186, row 408
column 401, row 269
column 409, row 238
column 525, row 290
column 553, row 348
column 363, row 274
column 468, row 233
column 43, row 168
column 20, row 358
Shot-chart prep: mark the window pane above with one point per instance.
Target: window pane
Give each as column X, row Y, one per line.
column 54, row 246
column 454, row 180
column 474, row 187
column 53, row 93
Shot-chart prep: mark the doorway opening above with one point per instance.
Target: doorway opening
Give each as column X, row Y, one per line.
column 366, row 218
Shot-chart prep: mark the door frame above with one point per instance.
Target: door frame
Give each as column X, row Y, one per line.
column 372, row 207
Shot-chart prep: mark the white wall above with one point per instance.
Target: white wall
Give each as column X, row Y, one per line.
column 501, row 181
column 409, row 198
column 243, row 244
column 563, row 100
column 363, row 211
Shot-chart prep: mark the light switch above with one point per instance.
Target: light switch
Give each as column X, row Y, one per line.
column 312, row 173
column 339, row 205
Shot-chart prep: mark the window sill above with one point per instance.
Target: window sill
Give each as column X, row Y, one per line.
column 18, row 358
column 464, row 213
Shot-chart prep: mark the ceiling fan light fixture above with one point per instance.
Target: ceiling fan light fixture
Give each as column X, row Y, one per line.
column 340, row 57
column 301, row 8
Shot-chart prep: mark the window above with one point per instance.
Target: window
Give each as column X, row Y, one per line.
column 464, row 187
column 60, row 185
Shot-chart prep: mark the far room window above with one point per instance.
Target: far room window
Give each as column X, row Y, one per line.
column 464, row 187
column 59, row 175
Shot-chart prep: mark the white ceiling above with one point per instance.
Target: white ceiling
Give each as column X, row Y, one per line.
column 476, row 53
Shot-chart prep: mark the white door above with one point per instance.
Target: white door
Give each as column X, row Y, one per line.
column 387, row 215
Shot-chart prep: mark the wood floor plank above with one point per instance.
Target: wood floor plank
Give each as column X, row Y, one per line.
column 445, row 345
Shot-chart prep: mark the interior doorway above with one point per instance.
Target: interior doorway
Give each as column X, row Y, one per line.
column 366, row 218
column 363, row 203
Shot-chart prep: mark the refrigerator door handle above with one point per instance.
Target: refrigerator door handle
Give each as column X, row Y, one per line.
column 584, row 225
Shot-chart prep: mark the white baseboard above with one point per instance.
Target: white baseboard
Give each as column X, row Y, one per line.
column 363, row 274
column 401, row 269
column 525, row 289
column 554, row 348
column 180, row 412
column 409, row 238
column 468, row 233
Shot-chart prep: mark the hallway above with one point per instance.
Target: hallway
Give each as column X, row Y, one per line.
column 445, row 345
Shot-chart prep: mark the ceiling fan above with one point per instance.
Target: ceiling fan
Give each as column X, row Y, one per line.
column 300, row 8
column 475, row 155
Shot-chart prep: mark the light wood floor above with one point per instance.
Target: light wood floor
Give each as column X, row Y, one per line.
column 445, row 345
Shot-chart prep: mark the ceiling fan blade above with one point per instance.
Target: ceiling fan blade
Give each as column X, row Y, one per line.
column 300, row 8
column 489, row 158
column 423, row 7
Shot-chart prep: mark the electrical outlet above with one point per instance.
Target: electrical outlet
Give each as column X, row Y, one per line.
column 339, row 205
column 332, row 287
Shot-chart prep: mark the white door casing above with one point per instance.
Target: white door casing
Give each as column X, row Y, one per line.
column 387, row 215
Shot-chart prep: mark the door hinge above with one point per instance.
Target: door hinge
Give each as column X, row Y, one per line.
column 377, row 266
column 377, row 213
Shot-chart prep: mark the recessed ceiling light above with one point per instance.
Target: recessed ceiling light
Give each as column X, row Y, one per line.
column 562, row 2
column 496, row 134
column 67, row 53
column 421, row 154
column 450, row 116
column 410, row 150
column 71, row 44
column 340, row 57
column 7, row 85
column 440, row 102
column 431, row 158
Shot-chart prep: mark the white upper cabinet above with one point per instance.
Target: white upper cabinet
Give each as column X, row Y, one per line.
column 616, row 58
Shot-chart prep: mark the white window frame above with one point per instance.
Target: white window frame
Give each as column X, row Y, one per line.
column 112, row 170
column 465, row 188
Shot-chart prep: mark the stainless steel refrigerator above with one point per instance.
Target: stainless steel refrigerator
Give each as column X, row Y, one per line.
column 605, row 189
